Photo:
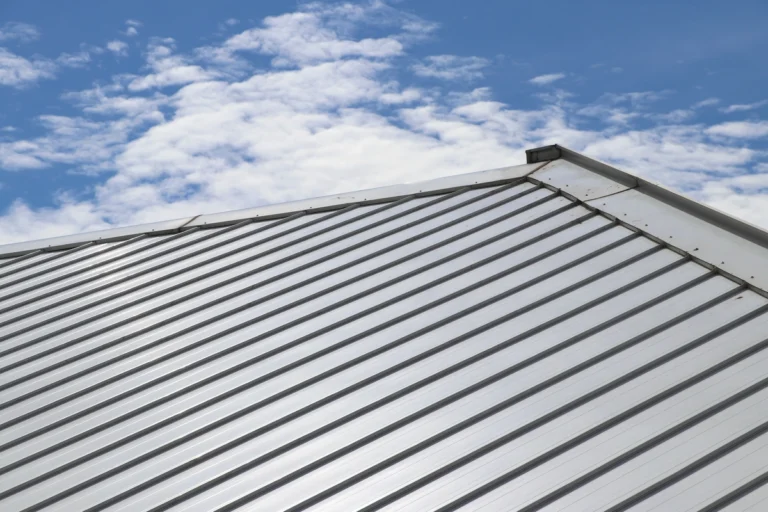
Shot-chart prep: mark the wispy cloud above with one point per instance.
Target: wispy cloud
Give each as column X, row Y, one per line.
column 547, row 79
column 709, row 102
column 119, row 48
column 744, row 107
column 636, row 98
column 22, row 32
column 74, row 60
column 740, row 129
column 451, row 67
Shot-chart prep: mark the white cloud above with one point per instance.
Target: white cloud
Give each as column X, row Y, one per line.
column 547, row 79
column 119, row 48
column 637, row 98
column 232, row 22
column 17, row 71
column 169, row 69
column 709, row 102
column 302, row 39
column 328, row 106
column 132, row 28
column 409, row 95
column 74, row 60
column 744, row 107
column 675, row 116
column 451, row 67
column 22, row 32
column 740, row 129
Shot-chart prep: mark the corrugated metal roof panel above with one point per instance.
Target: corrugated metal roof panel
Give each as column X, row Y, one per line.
column 499, row 346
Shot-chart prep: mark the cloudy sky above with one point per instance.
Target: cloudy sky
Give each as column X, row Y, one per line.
column 120, row 113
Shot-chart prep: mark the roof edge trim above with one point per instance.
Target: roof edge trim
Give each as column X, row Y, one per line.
column 323, row 203
column 677, row 200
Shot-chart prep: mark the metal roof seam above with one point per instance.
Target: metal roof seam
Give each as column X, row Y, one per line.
column 261, row 300
column 710, row 266
column 219, row 284
column 266, row 315
column 706, row 459
column 500, row 320
column 13, row 261
column 737, row 494
column 35, row 341
column 475, row 358
column 606, row 425
column 658, row 439
column 275, row 397
column 515, row 399
column 202, row 459
column 141, row 261
column 474, row 307
column 115, row 282
column 442, row 279
column 62, row 254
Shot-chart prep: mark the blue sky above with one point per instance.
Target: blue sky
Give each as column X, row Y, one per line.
column 120, row 113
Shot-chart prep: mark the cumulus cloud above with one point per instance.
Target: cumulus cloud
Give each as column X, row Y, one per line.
column 22, row 32
column 547, row 79
column 451, row 67
column 119, row 48
column 18, row 71
column 213, row 129
column 132, row 28
column 744, row 107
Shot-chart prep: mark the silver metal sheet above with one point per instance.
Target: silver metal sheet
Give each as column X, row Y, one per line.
column 755, row 501
column 404, row 355
column 572, row 179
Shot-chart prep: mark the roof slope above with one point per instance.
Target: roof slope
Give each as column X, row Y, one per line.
column 541, row 337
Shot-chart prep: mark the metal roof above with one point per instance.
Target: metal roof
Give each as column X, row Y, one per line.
column 558, row 335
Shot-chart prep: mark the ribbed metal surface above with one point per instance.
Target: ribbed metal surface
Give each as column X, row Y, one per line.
column 498, row 348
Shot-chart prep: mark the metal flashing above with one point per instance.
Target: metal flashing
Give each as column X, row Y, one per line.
column 107, row 235
column 737, row 248
column 572, row 180
column 325, row 203
column 711, row 215
column 372, row 196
